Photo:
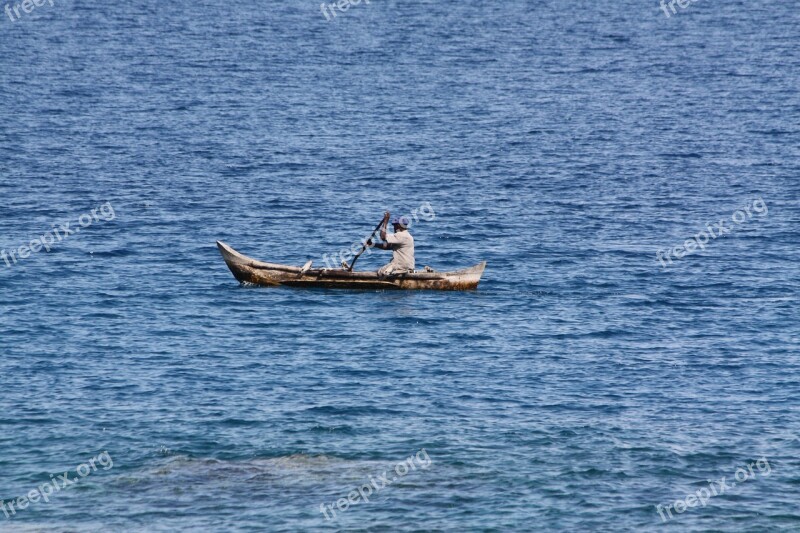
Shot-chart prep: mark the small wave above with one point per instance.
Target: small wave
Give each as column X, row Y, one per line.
column 287, row 469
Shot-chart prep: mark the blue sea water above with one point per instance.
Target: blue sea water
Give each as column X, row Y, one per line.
column 565, row 143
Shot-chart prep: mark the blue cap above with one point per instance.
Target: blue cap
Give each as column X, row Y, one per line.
column 402, row 221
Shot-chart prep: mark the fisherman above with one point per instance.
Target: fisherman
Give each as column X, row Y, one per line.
column 401, row 243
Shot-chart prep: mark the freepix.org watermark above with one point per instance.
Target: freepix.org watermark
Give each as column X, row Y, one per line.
column 27, row 7
column 342, row 5
column 699, row 241
column 715, row 488
column 55, row 485
column 424, row 212
column 58, row 233
column 669, row 5
column 364, row 492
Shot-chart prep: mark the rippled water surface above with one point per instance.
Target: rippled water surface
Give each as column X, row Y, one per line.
column 565, row 143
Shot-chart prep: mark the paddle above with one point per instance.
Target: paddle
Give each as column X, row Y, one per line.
column 364, row 247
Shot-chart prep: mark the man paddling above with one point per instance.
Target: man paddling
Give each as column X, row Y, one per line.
column 401, row 243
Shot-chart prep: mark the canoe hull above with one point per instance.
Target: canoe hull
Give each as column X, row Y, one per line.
column 248, row 270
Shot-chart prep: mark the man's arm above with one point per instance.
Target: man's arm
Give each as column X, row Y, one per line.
column 380, row 245
column 383, row 227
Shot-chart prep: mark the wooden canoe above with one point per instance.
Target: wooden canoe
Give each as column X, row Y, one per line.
column 248, row 270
